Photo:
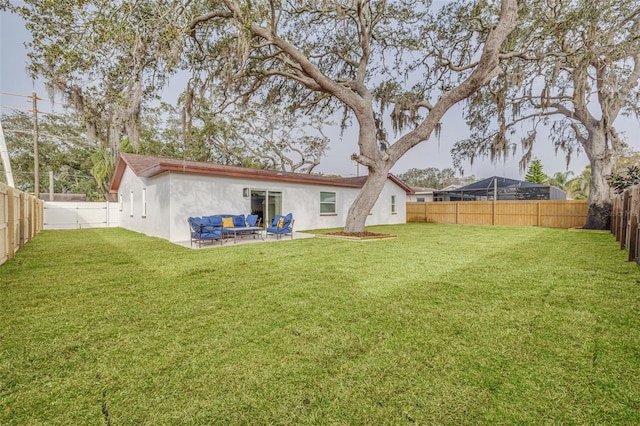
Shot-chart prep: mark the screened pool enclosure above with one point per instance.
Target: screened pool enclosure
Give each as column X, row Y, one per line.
column 500, row 188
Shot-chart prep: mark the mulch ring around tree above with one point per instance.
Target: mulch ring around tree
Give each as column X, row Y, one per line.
column 357, row 236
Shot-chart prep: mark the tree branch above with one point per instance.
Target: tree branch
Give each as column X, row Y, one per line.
column 487, row 69
column 204, row 18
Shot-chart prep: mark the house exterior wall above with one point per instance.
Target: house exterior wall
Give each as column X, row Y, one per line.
column 418, row 197
column 155, row 192
column 173, row 197
column 199, row 195
column 381, row 213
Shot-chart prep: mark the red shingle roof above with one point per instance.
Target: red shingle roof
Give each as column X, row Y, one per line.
column 149, row 166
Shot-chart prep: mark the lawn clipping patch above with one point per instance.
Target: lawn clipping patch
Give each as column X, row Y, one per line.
column 357, row 236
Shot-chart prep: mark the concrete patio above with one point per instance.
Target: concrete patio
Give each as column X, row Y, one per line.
column 228, row 242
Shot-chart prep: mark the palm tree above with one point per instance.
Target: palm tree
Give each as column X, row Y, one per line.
column 560, row 180
column 578, row 187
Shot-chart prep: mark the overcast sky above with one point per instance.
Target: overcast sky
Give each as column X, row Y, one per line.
column 433, row 153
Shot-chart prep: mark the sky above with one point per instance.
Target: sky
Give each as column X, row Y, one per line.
column 435, row 152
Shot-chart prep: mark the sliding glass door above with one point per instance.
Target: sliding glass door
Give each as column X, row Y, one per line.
column 266, row 204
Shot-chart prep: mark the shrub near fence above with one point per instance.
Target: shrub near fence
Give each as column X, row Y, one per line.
column 21, row 219
column 546, row 214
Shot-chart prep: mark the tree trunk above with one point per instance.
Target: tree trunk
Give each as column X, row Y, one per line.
column 599, row 214
column 378, row 161
column 366, row 199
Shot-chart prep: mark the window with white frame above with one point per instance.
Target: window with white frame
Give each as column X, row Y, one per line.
column 327, row 202
column 144, row 202
column 131, row 204
column 393, row 204
column 121, row 201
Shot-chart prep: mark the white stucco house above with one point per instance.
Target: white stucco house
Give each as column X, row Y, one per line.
column 156, row 195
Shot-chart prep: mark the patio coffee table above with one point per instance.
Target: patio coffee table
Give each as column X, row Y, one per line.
column 245, row 232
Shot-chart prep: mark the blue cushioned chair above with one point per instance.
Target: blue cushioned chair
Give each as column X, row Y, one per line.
column 202, row 230
column 213, row 220
column 238, row 220
column 282, row 225
column 252, row 220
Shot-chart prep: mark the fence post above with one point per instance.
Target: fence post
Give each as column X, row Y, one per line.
column 28, row 235
column 538, row 219
column 493, row 217
column 616, row 230
column 625, row 219
column 632, row 227
column 11, row 224
column 21, row 220
column 636, row 213
column 457, row 213
column 620, row 218
column 34, row 217
column 614, row 214
column 41, row 213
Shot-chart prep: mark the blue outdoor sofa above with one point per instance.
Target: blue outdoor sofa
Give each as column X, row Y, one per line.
column 203, row 231
column 282, row 225
column 221, row 226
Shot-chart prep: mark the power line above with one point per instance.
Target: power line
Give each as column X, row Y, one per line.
column 11, row 107
column 30, row 110
column 26, row 96
column 66, row 138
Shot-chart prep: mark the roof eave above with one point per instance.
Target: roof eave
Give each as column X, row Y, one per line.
column 401, row 184
column 161, row 165
column 116, row 179
column 247, row 174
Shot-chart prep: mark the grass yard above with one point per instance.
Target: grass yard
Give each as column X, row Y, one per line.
column 443, row 325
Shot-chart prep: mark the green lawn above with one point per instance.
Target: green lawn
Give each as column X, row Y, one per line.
column 443, row 325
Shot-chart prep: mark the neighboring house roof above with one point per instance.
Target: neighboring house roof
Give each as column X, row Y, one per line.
column 422, row 190
column 149, row 166
column 449, row 188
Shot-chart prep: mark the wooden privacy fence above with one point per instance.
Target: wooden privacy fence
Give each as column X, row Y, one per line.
column 21, row 219
column 547, row 214
column 624, row 221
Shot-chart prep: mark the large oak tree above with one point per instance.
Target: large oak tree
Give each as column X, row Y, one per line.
column 369, row 58
column 573, row 71
column 358, row 55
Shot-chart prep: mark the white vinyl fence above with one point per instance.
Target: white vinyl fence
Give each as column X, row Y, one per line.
column 80, row 215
